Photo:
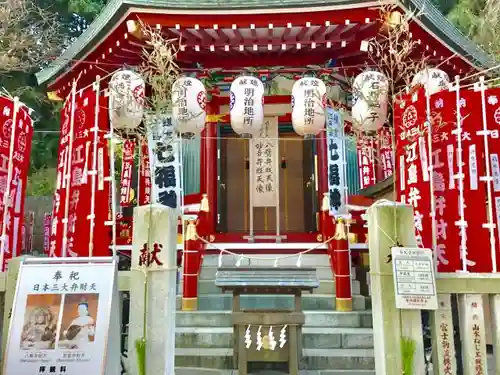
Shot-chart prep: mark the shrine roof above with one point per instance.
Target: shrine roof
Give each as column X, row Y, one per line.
column 109, row 31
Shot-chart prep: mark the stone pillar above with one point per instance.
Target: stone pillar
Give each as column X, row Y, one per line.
column 343, row 293
column 391, row 224
column 153, row 288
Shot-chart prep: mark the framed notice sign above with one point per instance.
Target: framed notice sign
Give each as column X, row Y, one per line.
column 414, row 280
column 61, row 319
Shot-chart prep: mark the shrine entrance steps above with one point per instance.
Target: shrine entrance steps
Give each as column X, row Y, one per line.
column 333, row 343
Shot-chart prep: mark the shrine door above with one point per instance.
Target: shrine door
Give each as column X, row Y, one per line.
column 297, row 193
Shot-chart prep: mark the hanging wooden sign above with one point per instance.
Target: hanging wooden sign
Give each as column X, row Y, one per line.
column 264, row 164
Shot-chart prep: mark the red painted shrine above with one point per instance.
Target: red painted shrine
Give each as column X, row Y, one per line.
column 279, row 46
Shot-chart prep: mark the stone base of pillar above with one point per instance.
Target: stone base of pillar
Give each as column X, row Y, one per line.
column 343, row 304
column 190, row 304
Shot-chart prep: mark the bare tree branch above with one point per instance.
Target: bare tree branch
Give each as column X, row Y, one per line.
column 29, row 36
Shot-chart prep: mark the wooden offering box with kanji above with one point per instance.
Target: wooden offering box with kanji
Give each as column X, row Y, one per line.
column 267, row 335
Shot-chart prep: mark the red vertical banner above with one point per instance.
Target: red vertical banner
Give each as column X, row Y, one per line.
column 459, row 169
column 492, row 112
column 385, row 152
column 128, row 153
column 23, row 238
column 81, row 181
column 445, row 183
column 476, row 241
column 47, row 222
column 12, row 209
column 144, row 176
column 29, row 232
column 412, row 162
column 366, row 161
column 59, row 202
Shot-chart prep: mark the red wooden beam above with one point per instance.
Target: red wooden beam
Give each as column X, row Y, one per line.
column 215, row 60
column 224, row 20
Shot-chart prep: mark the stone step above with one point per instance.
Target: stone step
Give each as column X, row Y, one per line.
column 338, row 359
column 207, row 371
column 307, row 260
column 324, row 319
column 312, row 359
column 323, row 271
column 319, row 338
column 282, row 302
column 325, row 287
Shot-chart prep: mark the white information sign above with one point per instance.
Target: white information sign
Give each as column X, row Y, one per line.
column 64, row 320
column 264, row 164
column 414, row 280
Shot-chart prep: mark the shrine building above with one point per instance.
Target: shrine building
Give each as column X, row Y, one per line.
column 278, row 42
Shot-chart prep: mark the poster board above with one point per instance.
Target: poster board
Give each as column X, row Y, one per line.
column 64, row 318
column 414, row 278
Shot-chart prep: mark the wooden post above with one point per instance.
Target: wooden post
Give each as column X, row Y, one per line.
column 191, row 268
column 472, row 334
column 443, row 340
column 391, row 224
column 495, row 319
column 12, row 273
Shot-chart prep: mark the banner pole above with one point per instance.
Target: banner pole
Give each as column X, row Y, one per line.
column 488, row 178
column 113, row 185
column 251, row 184
column 277, row 176
column 431, row 174
column 461, row 223
column 6, row 196
column 96, row 88
column 67, row 177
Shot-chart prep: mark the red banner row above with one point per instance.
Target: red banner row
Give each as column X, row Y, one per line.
column 457, row 166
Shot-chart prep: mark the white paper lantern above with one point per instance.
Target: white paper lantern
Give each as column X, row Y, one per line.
column 368, row 117
column 308, row 106
column 246, row 105
column 370, row 86
column 188, row 105
column 434, row 80
column 126, row 100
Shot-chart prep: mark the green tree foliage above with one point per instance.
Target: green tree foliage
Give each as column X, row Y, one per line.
column 54, row 25
column 480, row 21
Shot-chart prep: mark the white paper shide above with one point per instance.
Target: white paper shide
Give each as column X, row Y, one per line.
column 61, row 320
column 414, row 279
column 264, row 164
